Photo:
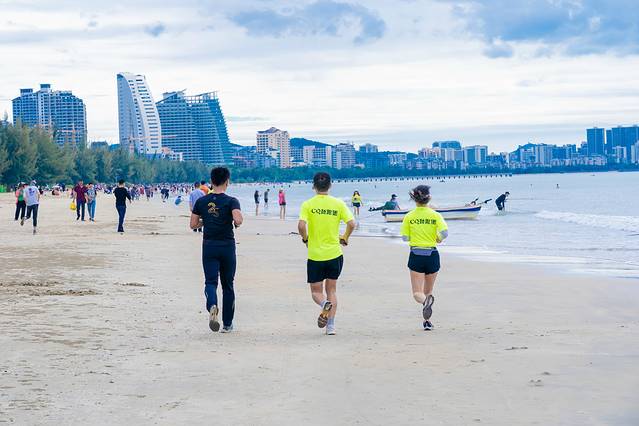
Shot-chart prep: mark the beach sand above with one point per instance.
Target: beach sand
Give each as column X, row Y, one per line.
column 101, row 328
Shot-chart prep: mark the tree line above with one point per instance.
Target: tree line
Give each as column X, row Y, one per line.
column 28, row 153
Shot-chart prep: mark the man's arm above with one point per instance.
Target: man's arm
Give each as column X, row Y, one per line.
column 301, row 229
column 350, row 227
column 238, row 219
column 195, row 221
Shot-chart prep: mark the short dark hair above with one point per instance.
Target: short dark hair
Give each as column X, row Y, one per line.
column 196, row 184
column 322, row 181
column 220, row 175
column 203, row 182
column 420, row 194
column 121, row 182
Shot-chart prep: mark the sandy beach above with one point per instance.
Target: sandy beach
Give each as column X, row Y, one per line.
column 101, row 328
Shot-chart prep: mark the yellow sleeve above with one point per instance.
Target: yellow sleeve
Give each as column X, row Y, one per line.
column 304, row 212
column 405, row 230
column 441, row 224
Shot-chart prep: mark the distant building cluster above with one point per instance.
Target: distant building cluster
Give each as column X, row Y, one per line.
column 274, row 148
column 181, row 127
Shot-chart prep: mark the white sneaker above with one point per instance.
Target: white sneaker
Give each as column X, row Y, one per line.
column 330, row 330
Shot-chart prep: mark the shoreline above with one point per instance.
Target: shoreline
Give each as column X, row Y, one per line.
column 111, row 329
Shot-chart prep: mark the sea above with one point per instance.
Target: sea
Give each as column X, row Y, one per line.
column 575, row 222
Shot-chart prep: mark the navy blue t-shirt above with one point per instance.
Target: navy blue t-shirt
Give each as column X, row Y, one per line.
column 215, row 211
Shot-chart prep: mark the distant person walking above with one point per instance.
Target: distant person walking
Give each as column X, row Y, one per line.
column 21, row 205
column 218, row 213
column 79, row 195
column 256, row 196
column 281, row 200
column 195, row 195
column 91, row 196
column 318, row 225
column 121, row 195
column 32, row 199
column 356, row 200
column 266, row 194
column 501, row 201
column 423, row 228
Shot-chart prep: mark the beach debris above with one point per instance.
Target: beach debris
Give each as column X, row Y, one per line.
column 537, row 382
column 515, row 348
column 545, row 373
column 478, row 360
column 133, row 284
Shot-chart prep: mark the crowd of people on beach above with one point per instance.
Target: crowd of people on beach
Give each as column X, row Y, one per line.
column 215, row 215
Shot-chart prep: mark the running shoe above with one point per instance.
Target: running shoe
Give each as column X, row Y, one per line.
column 22, row 222
column 227, row 329
column 330, row 330
column 34, row 231
column 427, row 311
column 322, row 320
column 428, row 326
column 214, row 324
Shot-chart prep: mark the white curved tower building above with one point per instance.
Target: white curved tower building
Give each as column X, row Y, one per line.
column 140, row 128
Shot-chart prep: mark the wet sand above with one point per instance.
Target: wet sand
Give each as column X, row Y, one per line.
column 101, row 328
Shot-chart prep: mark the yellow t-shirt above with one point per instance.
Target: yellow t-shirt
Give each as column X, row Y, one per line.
column 357, row 199
column 323, row 215
column 422, row 225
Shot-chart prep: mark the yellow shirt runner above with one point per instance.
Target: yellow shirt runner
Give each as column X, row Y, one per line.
column 422, row 227
column 323, row 215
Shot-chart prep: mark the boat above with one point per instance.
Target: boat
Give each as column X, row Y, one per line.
column 448, row 213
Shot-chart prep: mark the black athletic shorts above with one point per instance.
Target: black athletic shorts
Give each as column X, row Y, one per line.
column 318, row 271
column 424, row 264
column 357, row 205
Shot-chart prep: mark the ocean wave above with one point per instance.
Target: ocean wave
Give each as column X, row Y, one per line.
column 620, row 223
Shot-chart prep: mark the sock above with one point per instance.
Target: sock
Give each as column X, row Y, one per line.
column 323, row 303
column 331, row 321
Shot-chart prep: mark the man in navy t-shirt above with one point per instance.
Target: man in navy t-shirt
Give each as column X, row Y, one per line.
column 218, row 213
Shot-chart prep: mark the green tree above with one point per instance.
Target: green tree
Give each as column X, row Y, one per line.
column 22, row 155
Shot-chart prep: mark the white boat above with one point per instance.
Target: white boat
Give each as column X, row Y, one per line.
column 464, row 212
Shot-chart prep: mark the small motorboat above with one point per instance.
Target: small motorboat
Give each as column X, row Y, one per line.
column 469, row 211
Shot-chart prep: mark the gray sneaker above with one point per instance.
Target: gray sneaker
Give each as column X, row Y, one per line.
column 427, row 310
column 227, row 329
column 214, row 324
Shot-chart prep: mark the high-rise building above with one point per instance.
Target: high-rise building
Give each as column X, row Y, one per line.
column 596, row 141
column 277, row 144
column 475, row 154
column 195, row 126
column 138, row 118
column 58, row 112
column 622, row 136
column 344, row 157
column 368, row 148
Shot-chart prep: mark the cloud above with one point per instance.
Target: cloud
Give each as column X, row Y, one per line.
column 155, row 30
column 498, row 49
column 323, row 17
column 576, row 27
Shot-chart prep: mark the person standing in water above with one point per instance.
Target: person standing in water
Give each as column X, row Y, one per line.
column 218, row 213
column 121, row 195
column 318, row 225
column 356, row 200
column 423, row 228
column 281, row 200
column 266, row 194
column 32, row 199
column 500, row 202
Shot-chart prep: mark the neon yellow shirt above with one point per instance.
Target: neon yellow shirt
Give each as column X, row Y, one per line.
column 323, row 215
column 357, row 199
column 422, row 226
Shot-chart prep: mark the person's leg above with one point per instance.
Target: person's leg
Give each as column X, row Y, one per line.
column 417, row 283
column 228, row 266
column 23, row 208
column 77, row 210
column 91, row 207
column 121, row 212
column 29, row 210
column 317, row 293
column 429, row 283
column 331, row 295
column 211, row 267
column 84, row 206
column 34, row 214
column 17, row 210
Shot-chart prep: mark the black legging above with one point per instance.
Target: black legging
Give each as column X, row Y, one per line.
column 21, row 206
column 32, row 211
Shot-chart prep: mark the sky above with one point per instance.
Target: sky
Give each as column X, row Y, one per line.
column 397, row 73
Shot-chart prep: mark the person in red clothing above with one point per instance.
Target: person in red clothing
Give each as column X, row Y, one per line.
column 79, row 195
column 281, row 199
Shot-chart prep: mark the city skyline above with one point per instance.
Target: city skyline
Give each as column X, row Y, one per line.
column 397, row 76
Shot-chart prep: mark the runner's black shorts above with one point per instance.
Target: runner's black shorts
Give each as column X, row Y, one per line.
column 424, row 264
column 356, row 205
column 318, row 271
